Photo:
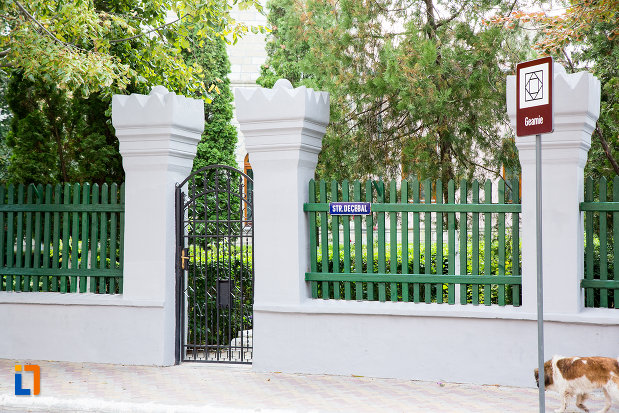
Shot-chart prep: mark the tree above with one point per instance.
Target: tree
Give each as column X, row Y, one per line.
column 413, row 91
column 602, row 51
column 585, row 36
column 220, row 137
column 5, row 120
column 61, row 129
column 58, row 137
column 106, row 45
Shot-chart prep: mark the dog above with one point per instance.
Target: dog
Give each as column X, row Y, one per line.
column 579, row 376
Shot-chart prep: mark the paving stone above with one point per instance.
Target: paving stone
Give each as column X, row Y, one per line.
column 188, row 388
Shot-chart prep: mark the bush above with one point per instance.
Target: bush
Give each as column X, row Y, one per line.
column 217, row 326
column 419, row 289
column 593, row 296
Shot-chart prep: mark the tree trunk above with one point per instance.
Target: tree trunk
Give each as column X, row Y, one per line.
column 606, row 148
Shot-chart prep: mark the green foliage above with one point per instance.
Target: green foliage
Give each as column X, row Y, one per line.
column 412, row 92
column 506, row 267
column 600, row 51
column 220, row 137
column 107, row 46
column 582, row 36
column 593, row 294
column 238, row 265
column 56, row 136
column 61, row 136
column 5, row 121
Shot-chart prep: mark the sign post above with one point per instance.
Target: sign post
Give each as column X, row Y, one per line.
column 534, row 116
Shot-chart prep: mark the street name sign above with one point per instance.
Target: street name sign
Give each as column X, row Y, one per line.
column 350, row 208
column 534, row 97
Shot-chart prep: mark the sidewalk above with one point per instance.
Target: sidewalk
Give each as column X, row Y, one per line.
column 86, row 387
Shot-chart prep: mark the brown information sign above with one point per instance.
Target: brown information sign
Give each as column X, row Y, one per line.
column 534, row 97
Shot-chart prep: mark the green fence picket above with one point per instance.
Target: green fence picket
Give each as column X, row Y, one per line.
column 463, row 240
column 313, row 238
column 94, row 243
column 487, row 242
column 405, row 254
column 65, row 239
column 36, row 262
column 427, row 241
column 335, row 236
column 501, row 236
column 393, row 241
column 475, row 242
column 369, row 222
column 324, row 238
column 10, row 238
column 516, row 242
column 416, row 240
column 603, row 243
column 589, row 302
column 382, row 256
column 74, row 237
column 46, row 285
column 346, row 240
column 103, row 238
column 19, row 241
column 28, row 240
column 451, row 241
column 113, row 241
column 358, row 242
column 439, row 241
column 85, row 246
column 56, row 238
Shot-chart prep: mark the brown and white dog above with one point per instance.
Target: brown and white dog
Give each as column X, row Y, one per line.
column 579, row 376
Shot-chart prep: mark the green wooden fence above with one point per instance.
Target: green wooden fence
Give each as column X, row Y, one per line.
column 476, row 245
column 67, row 238
column 601, row 280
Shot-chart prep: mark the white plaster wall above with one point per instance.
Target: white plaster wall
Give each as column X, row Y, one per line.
column 82, row 328
column 422, row 342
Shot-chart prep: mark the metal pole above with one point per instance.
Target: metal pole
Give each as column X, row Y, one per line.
column 540, row 284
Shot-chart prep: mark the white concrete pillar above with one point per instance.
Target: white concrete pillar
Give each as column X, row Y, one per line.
column 283, row 129
column 576, row 102
column 158, row 136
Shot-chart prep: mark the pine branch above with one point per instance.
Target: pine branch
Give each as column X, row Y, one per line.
column 606, row 148
column 450, row 18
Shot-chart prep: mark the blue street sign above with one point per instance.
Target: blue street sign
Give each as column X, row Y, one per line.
column 350, row 208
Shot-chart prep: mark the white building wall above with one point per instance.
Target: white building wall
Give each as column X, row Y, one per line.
column 246, row 57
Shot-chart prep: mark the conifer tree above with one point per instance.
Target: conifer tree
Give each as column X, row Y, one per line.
column 417, row 88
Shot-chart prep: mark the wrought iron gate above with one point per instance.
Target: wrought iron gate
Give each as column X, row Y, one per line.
column 214, row 272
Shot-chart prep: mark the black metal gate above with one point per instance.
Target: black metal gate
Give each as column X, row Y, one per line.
column 214, row 272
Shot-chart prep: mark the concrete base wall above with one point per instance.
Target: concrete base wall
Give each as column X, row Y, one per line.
column 84, row 328
column 422, row 342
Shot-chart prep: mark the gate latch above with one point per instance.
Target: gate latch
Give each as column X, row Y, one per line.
column 184, row 258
